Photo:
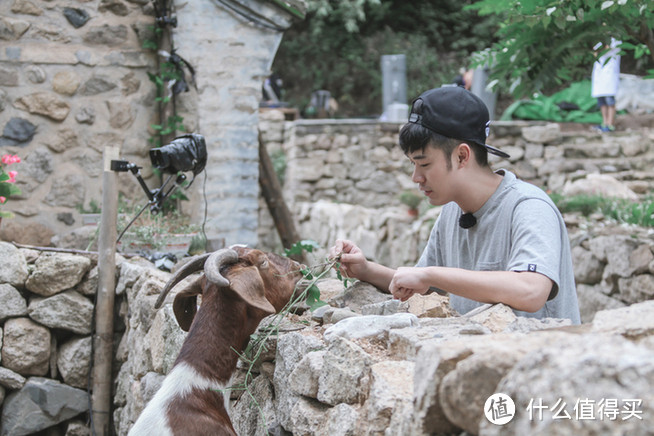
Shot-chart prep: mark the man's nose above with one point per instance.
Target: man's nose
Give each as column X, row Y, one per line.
column 417, row 177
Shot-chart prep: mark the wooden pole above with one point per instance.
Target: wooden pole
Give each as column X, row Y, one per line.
column 271, row 190
column 104, row 308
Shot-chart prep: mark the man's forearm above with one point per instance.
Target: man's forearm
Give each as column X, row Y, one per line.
column 378, row 275
column 526, row 291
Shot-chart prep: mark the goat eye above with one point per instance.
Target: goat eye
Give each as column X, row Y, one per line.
column 264, row 264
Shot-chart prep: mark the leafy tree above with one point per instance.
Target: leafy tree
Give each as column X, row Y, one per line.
column 544, row 43
column 339, row 45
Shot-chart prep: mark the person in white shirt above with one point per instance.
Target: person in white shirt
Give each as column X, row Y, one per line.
column 605, row 81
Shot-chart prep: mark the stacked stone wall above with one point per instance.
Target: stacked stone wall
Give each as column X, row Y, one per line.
column 363, row 336
column 343, row 178
column 46, row 312
column 73, row 79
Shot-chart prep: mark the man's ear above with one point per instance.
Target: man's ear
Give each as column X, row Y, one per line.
column 462, row 155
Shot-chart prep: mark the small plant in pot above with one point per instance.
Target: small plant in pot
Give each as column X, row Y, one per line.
column 169, row 233
column 412, row 199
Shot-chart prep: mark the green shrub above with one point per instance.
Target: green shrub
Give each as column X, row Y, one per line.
column 640, row 213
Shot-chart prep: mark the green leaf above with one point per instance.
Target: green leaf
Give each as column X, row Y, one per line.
column 313, row 298
column 149, row 44
column 297, row 248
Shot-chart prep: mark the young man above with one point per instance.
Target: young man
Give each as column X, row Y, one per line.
column 496, row 240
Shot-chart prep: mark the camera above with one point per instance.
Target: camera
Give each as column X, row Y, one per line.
column 184, row 153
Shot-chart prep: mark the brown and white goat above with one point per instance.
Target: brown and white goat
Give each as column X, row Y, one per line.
column 240, row 286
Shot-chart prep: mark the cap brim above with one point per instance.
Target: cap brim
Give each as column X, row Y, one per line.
column 496, row 151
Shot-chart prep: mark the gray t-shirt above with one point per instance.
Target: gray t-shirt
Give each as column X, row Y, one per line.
column 518, row 229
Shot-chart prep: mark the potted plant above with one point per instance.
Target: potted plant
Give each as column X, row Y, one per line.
column 170, row 233
column 90, row 216
column 412, row 200
column 7, row 182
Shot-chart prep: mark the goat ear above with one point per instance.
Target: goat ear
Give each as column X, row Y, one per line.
column 185, row 304
column 248, row 284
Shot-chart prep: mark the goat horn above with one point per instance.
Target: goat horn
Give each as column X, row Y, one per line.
column 194, row 265
column 215, row 261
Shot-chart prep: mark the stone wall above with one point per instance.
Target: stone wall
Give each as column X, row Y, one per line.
column 74, row 79
column 343, row 178
column 348, row 363
column 359, row 161
column 46, row 313
column 366, row 363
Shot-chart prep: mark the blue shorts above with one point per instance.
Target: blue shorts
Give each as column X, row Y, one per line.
column 608, row 100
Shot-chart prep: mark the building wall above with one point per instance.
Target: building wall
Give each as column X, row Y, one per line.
column 66, row 92
column 226, row 102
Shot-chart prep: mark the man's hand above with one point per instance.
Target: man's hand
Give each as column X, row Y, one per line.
column 408, row 281
column 352, row 260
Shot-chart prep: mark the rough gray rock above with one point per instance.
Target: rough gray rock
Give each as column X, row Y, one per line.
column 46, row 403
column 369, row 326
column 13, row 267
column 11, row 379
column 19, row 130
column 68, row 311
column 547, row 134
column 291, row 349
column 346, row 373
column 76, row 17
column 390, row 399
column 584, row 370
column 54, row 273
column 26, row 347
column 74, row 362
column 12, row 304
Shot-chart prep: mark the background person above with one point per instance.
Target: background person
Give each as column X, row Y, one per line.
column 496, row 240
column 605, row 82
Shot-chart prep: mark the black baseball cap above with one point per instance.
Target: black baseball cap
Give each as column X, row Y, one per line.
column 454, row 112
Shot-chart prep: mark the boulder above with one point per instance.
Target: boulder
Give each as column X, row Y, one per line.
column 291, row 349
column 546, row 134
column 247, row 416
column 10, row 379
column 308, row 417
column 588, row 268
column 54, row 273
column 164, row 340
column 74, row 362
column 46, row 403
column 304, row 379
column 369, row 326
column 13, row 267
column 26, row 347
column 580, row 380
column 12, row 304
column 599, row 184
column 390, row 399
column 430, row 306
column 592, row 300
column 345, row 376
column 68, row 311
